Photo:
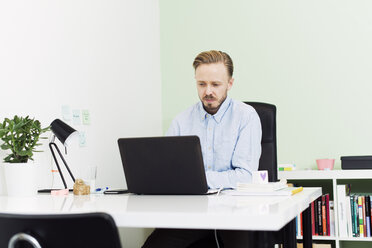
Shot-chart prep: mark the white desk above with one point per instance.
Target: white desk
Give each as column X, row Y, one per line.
column 261, row 213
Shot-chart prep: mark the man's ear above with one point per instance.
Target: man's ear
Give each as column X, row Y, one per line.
column 230, row 83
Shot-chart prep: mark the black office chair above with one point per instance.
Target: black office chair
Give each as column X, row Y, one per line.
column 268, row 159
column 93, row 230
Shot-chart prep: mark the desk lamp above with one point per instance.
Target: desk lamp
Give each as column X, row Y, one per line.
column 65, row 134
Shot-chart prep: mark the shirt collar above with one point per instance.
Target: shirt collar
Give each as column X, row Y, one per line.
column 217, row 116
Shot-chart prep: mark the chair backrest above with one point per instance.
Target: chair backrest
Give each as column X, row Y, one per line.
column 268, row 160
column 91, row 230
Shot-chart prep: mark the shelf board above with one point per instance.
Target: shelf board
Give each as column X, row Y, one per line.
column 320, row 237
column 341, row 239
column 355, row 239
column 331, row 174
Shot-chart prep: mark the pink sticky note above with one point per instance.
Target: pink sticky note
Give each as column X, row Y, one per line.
column 59, row 192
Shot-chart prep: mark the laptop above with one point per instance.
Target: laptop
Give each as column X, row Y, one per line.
column 170, row 165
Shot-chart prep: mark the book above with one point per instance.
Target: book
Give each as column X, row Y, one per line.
column 261, row 187
column 316, row 217
column 298, row 225
column 364, row 216
column 320, row 221
column 348, row 217
column 322, row 245
column 342, row 223
column 370, row 204
column 312, row 218
column 353, row 224
column 360, row 215
column 356, row 217
column 324, row 218
column 328, row 230
column 331, row 219
column 368, row 215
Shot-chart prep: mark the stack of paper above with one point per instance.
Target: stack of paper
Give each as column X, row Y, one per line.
column 265, row 187
column 287, row 191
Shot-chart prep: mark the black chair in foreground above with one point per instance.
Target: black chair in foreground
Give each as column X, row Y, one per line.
column 93, row 230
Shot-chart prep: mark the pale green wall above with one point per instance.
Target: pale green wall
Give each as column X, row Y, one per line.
column 312, row 59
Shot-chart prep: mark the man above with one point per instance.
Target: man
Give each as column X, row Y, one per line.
column 230, row 137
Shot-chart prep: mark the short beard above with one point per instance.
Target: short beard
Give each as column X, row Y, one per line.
column 209, row 109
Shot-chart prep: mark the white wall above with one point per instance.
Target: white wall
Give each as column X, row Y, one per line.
column 97, row 55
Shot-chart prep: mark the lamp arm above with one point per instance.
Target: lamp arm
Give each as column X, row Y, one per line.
column 51, row 145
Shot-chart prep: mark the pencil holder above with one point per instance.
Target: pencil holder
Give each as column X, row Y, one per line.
column 325, row 164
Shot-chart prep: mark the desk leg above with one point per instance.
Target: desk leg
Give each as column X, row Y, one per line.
column 261, row 239
column 306, row 227
column 290, row 240
column 265, row 240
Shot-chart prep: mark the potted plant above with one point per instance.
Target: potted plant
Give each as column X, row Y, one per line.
column 20, row 136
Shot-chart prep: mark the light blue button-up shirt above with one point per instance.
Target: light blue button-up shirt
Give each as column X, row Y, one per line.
column 230, row 140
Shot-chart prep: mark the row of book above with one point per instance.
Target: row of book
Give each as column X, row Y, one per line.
column 354, row 214
column 354, row 211
column 322, row 217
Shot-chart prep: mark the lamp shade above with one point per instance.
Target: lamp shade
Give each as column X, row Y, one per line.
column 62, row 131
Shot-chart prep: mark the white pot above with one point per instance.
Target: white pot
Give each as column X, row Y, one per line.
column 21, row 178
column 2, row 181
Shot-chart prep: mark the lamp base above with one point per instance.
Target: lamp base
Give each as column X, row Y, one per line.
column 50, row 190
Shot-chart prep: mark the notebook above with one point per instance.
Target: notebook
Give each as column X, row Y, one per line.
column 171, row 165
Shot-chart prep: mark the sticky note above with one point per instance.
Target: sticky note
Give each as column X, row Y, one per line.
column 66, row 113
column 82, row 139
column 85, row 116
column 260, row 177
column 59, row 192
column 76, row 117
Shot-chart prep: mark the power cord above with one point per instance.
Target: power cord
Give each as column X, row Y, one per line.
column 215, row 230
column 219, row 191
column 215, row 236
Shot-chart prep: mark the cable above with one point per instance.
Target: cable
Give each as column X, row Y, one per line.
column 215, row 230
column 215, row 236
column 219, row 191
column 51, row 136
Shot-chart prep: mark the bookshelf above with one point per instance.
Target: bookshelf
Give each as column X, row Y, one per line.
column 329, row 180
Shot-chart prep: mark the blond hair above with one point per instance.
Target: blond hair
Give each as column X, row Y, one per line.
column 213, row 56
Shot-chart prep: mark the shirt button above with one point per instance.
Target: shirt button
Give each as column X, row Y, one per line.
column 209, row 129
column 209, row 148
column 209, row 167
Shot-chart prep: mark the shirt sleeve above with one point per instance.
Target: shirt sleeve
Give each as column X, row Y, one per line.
column 245, row 158
column 174, row 129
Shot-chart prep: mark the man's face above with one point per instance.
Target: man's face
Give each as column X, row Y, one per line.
column 212, row 82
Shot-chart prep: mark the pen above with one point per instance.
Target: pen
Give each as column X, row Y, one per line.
column 101, row 189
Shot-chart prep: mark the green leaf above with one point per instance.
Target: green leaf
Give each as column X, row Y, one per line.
column 25, row 153
column 3, row 131
column 7, row 159
column 5, row 146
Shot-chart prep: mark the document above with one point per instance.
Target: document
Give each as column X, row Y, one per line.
column 287, row 191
